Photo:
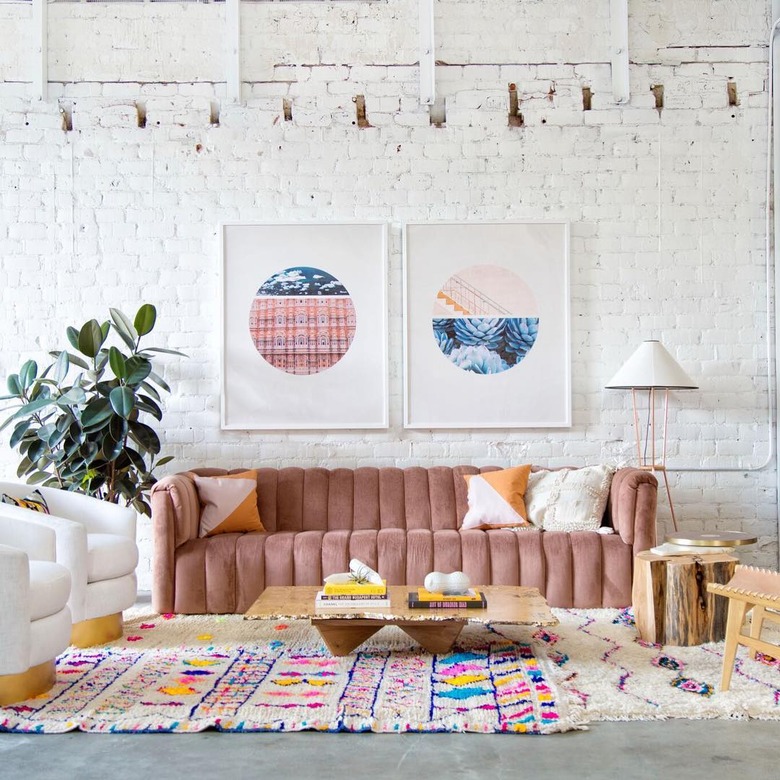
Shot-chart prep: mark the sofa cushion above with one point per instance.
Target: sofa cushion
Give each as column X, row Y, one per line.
column 49, row 588
column 568, row 499
column 228, row 503
column 496, row 498
column 110, row 556
column 34, row 501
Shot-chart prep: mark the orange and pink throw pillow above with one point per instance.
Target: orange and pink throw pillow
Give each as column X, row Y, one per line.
column 228, row 504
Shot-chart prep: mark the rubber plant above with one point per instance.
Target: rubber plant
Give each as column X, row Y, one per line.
column 79, row 423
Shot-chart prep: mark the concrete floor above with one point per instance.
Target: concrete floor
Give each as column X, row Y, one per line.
column 690, row 749
column 694, row 750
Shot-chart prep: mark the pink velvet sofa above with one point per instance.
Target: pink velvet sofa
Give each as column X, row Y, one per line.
column 402, row 522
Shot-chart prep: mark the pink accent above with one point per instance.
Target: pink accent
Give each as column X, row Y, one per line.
column 302, row 334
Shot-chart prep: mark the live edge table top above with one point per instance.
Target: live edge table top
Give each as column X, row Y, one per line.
column 506, row 604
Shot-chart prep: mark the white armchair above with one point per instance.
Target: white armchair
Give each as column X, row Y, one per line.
column 95, row 541
column 35, row 622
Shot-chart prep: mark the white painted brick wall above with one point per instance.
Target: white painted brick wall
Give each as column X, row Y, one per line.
column 666, row 208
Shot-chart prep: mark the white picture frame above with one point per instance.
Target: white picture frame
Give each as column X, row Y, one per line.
column 495, row 275
column 319, row 360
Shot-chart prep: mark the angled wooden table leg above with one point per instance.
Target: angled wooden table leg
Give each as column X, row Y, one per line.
column 342, row 636
column 434, row 637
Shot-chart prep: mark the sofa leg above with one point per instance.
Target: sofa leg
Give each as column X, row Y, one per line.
column 97, row 631
column 25, row 685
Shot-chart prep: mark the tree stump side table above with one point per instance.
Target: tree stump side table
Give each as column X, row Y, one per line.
column 671, row 602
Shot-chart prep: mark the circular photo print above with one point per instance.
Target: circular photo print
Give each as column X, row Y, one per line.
column 302, row 320
column 485, row 319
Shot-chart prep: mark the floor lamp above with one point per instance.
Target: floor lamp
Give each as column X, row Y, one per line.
column 652, row 368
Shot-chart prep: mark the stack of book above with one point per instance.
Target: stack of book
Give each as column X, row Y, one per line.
column 352, row 595
column 425, row 599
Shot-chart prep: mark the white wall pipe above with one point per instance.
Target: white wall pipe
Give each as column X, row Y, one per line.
column 233, row 50
column 618, row 24
column 40, row 51
column 427, row 53
column 772, row 276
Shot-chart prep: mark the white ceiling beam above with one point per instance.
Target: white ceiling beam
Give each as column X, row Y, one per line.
column 233, row 49
column 40, row 49
column 427, row 58
column 618, row 22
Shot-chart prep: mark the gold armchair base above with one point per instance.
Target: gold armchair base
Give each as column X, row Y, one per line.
column 26, row 685
column 97, row 631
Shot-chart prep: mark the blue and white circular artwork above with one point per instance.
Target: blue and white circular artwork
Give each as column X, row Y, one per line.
column 485, row 319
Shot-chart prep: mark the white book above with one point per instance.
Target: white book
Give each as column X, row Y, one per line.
column 349, row 604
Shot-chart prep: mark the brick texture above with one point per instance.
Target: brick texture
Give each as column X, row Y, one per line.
column 667, row 207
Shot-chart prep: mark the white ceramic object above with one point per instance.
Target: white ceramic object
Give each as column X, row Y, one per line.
column 451, row 584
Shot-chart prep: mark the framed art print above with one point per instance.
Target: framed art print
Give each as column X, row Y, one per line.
column 487, row 332
column 304, row 326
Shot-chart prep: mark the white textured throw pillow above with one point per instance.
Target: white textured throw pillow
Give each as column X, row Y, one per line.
column 569, row 499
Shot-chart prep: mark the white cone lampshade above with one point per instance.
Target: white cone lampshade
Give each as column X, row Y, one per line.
column 651, row 366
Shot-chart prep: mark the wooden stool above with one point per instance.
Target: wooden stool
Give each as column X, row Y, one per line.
column 671, row 602
column 749, row 588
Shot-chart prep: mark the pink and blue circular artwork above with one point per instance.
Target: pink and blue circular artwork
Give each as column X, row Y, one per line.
column 485, row 319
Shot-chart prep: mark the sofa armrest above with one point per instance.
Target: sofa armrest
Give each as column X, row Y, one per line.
column 633, row 499
column 68, row 539
column 175, row 520
column 23, row 529
column 98, row 517
column 14, row 610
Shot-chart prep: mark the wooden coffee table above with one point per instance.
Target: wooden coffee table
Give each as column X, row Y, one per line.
column 435, row 629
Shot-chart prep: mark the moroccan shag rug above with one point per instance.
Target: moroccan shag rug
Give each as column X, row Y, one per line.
column 189, row 673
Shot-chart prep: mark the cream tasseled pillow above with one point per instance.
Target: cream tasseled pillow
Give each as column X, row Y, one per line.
column 228, row 504
column 569, row 499
column 496, row 498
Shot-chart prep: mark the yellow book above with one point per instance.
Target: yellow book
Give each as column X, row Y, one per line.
column 354, row 589
column 470, row 595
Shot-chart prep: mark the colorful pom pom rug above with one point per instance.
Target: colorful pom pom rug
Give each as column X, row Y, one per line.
column 174, row 673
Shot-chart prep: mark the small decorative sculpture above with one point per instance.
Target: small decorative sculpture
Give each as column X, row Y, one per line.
column 453, row 584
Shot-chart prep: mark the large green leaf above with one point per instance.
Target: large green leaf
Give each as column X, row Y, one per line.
column 89, row 451
column 163, row 349
column 151, row 390
column 124, row 328
column 112, row 447
column 28, row 373
column 159, row 381
column 91, row 338
column 73, row 336
column 19, row 431
column 144, row 437
column 61, row 367
column 117, row 362
column 118, row 428
column 73, row 397
column 14, row 385
column 36, row 450
column 96, row 413
column 25, row 464
column 75, row 359
column 135, row 459
column 27, row 410
column 146, row 404
column 145, row 318
column 163, row 461
column 138, row 369
column 122, row 401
